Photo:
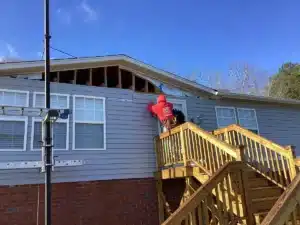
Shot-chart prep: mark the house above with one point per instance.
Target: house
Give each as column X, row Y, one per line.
column 112, row 133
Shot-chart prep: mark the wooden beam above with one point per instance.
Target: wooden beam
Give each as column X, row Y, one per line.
column 58, row 76
column 146, row 86
column 75, row 77
column 90, row 76
column 133, row 81
column 119, row 78
column 105, row 76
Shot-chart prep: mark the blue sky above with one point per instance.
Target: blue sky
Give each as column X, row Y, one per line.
column 185, row 37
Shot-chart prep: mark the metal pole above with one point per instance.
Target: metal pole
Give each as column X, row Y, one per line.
column 47, row 140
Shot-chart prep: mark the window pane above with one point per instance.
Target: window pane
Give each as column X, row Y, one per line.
column 39, row 101
column 99, row 116
column 248, row 123
column 89, row 104
column 246, row 113
column 98, row 104
column 37, row 135
column 21, row 99
column 57, row 102
column 225, row 112
column 8, row 98
column 79, row 103
column 59, row 135
column 247, row 119
column 12, row 134
column 89, row 136
column 224, row 122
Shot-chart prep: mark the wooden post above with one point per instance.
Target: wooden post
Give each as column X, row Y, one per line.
column 158, row 154
column 183, row 149
column 240, row 153
column 247, row 202
column 119, row 77
column 292, row 165
column 133, row 81
column 105, row 76
column 226, row 136
column 91, row 77
column 161, row 213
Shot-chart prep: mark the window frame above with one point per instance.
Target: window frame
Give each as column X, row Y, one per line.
column 17, row 118
column 66, row 121
column 89, row 122
column 225, row 107
column 254, row 115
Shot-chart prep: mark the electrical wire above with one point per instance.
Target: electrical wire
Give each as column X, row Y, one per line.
column 63, row 52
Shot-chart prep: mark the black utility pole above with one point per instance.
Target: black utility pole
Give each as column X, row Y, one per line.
column 47, row 129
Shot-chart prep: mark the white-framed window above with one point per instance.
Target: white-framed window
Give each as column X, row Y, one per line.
column 60, row 129
column 225, row 116
column 247, row 119
column 89, row 123
column 179, row 104
column 13, row 129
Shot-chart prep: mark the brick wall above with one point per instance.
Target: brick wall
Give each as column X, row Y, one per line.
column 131, row 201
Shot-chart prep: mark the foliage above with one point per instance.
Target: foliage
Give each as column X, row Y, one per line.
column 286, row 83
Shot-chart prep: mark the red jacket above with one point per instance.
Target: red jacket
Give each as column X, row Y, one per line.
column 163, row 109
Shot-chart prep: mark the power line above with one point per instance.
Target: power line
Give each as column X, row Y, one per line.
column 63, row 52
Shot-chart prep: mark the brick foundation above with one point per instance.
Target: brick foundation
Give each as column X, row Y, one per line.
column 128, row 202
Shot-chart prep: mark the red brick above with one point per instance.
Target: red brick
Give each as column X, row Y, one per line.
column 128, row 202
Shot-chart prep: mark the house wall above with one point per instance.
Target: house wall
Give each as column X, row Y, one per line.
column 129, row 138
column 129, row 134
column 279, row 123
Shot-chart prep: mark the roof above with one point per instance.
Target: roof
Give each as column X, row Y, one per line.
column 25, row 67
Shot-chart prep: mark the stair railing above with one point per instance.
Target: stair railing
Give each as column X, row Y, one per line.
column 286, row 209
column 214, row 204
column 270, row 159
column 189, row 143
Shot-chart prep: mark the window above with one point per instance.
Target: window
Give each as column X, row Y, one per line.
column 225, row 116
column 89, row 123
column 13, row 129
column 60, row 129
column 247, row 119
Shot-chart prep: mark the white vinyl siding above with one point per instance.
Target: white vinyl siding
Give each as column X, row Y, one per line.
column 225, row 116
column 247, row 119
column 89, row 123
column 13, row 129
column 60, row 129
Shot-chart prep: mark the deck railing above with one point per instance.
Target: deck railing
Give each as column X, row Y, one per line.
column 213, row 202
column 272, row 160
column 287, row 208
column 189, row 143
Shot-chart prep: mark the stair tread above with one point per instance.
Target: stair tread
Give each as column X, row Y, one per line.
column 261, row 213
column 266, row 187
column 264, row 199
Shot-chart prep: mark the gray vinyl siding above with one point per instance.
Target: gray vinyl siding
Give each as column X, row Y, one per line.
column 129, row 138
column 129, row 133
column 278, row 123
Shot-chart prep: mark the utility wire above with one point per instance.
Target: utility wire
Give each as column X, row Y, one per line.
column 63, row 52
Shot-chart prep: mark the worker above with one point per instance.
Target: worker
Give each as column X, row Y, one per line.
column 164, row 112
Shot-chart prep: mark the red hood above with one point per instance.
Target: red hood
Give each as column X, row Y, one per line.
column 161, row 99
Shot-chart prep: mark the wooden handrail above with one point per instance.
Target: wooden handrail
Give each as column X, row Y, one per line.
column 229, row 148
column 197, row 207
column 188, row 142
column 260, row 139
column 287, row 206
column 270, row 159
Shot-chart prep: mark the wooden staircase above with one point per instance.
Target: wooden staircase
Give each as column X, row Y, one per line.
column 232, row 176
